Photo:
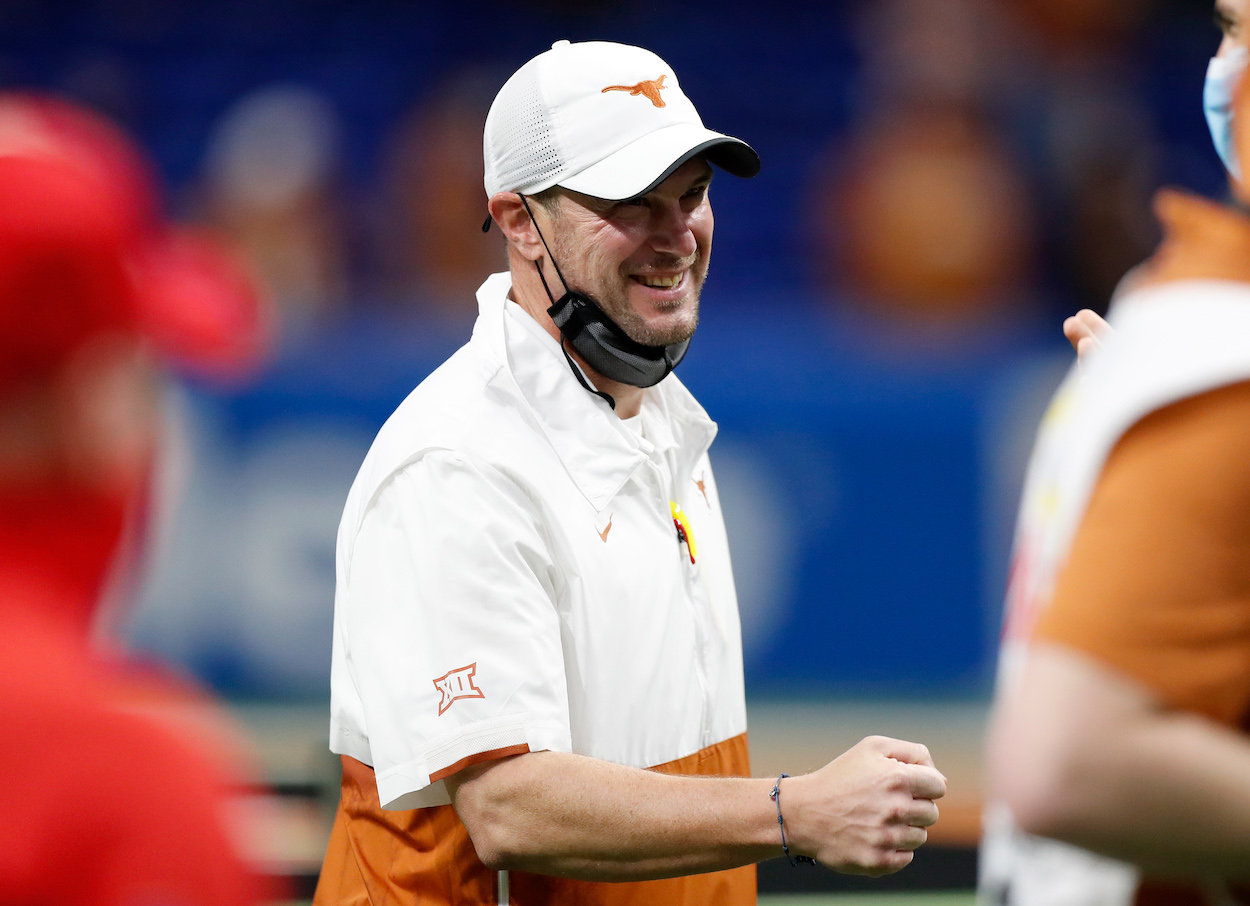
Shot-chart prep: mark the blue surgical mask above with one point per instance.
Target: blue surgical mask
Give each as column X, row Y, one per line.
column 1223, row 74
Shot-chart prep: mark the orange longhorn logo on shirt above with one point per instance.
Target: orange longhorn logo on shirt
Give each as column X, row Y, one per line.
column 455, row 685
column 701, row 484
column 649, row 89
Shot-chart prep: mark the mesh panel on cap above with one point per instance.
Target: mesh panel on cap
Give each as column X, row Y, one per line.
column 525, row 157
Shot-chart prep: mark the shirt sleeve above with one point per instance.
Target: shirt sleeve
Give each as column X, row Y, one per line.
column 453, row 635
column 1157, row 585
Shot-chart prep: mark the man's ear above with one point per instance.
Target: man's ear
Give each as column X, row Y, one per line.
column 507, row 210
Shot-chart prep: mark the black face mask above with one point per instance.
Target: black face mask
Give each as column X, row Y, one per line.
column 600, row 341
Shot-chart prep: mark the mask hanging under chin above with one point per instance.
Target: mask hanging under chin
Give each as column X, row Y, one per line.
column 607, row 349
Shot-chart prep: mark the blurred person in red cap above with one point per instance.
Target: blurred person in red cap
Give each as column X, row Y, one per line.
column 104, row 803
column 1119, row 743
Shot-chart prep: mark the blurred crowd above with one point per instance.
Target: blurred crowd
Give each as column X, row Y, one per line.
column 982, row 165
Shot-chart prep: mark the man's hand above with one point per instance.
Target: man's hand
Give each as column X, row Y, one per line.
column 867, row 810
column 1085, row 330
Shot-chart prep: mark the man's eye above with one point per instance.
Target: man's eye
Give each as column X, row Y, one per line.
column 639, row 202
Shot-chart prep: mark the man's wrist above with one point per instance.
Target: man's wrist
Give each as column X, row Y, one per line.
column 787, row 843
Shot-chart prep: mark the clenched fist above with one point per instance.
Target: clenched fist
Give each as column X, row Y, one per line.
column 866, row 811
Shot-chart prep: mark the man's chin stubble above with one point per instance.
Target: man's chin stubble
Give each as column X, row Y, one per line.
column 640, row 332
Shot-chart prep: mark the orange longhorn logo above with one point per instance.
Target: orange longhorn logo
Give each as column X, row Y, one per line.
column 701, row 484
column 649, row 89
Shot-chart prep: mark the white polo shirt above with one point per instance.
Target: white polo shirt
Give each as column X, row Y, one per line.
column 510, row 575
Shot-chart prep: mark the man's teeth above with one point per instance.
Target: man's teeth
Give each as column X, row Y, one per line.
column 660, row 281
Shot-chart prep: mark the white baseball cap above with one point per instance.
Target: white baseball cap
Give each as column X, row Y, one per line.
column 607, row 120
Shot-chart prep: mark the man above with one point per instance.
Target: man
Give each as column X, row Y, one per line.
column 104, row 804
column 534, row 599
column 1120, row 725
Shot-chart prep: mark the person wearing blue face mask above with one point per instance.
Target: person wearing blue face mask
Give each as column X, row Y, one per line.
column 1118, row 755
column 1086, row 328
column 1223, row 74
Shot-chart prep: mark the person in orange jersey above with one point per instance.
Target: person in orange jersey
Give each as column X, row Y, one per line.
column 1119, row 747
column 536, row 685
column 104, row 804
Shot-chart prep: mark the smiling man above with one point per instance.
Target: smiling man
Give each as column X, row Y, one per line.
column 537, row 675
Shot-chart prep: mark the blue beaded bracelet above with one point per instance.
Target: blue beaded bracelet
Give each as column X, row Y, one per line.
column 775, row 795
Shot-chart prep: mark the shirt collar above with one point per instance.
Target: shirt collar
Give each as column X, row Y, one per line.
column 598, row 451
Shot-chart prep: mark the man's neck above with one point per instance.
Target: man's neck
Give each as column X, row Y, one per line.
column 528, row 292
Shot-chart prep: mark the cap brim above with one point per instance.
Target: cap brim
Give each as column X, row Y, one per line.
column 643, row 164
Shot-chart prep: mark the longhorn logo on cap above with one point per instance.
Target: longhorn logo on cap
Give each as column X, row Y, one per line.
column 649, row 89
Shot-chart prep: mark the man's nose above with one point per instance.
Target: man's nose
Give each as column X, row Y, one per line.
column 671, row 230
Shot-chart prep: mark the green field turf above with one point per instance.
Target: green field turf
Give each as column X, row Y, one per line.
column 930, row 898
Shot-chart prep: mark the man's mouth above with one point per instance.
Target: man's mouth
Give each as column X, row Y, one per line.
column 659, row 282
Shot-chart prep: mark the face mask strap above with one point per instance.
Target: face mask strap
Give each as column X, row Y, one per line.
column 581, row 378
column 577, row 372
column 550, row 257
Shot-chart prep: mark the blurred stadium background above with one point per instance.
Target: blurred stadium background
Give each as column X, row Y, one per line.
column 944, row 181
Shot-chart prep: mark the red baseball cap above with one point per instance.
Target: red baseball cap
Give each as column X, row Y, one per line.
column 85, row 250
